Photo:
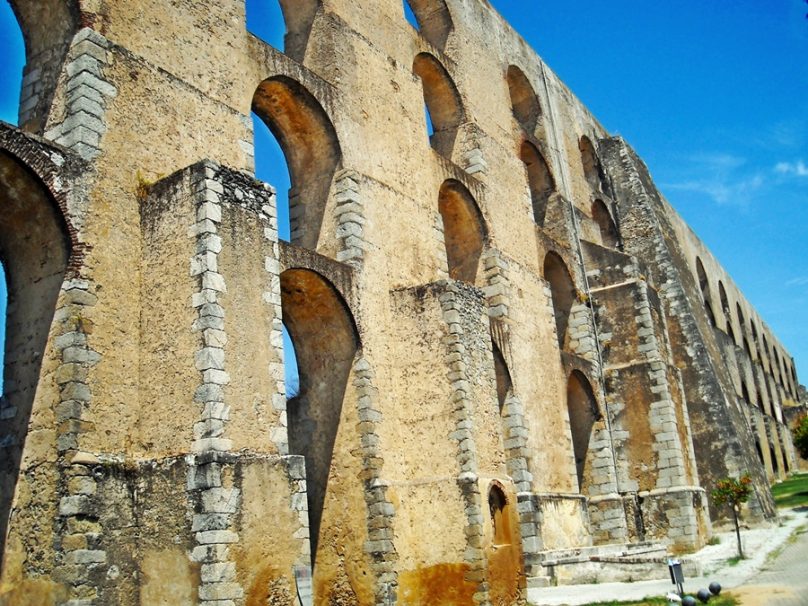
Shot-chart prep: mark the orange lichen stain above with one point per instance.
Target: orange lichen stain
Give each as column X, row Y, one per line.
column 439, row 585
column 505, row 575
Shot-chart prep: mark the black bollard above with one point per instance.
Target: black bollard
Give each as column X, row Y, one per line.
column 704, row 596
column 688, row 600
column 715, row 588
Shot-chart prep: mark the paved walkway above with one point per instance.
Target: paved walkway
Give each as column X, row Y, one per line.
column 783, row 580
column 755, row 579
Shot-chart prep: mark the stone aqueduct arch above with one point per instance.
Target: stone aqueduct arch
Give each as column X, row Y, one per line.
column 434, row 20
column 524, row 102
column 442, row 100
column 326, row 341
column 38, row 250
column 309, row 143
column 563, row 292
column 464, row 231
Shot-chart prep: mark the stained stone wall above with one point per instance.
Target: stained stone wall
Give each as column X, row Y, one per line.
column 513, row 353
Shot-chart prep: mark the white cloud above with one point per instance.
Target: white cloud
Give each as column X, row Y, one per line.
column 800, row 281
column 797, row 168
column 723, row 189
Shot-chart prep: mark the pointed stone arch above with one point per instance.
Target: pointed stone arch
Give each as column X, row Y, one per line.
column 524, row 102
column 464, row 231
column 326, row 340
column 563, row 293
column 442, row 100
column 583, row 412
column 434, row 20
column 310, row 145
column 593, row 170
column 35, row 250
column 704, row 287
column 725, row 308
column 47, row 26
column 540, row 180
column 503, row 376
column 609, row 234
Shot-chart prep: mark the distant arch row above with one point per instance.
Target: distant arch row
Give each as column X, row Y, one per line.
column 756, row 344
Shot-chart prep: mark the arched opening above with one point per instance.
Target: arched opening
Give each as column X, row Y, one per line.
column 13, row 52
column 34, row 252
column 442, row 100
column 432, row 20
column 524, row 102
column 704, row 286
column 503, row 376
column 608, row 230
column 746, row 347
column 500, row 518
column 325, row 341
column 464, row 232
column 593, row 171
column 539, row 179
column 759, row 451
column 725, row 308
column 583, row 412
column 745, row 394
column 563, row 293
column 47, row 29
column 284, row 24
column 775, row 464
column 310, row 148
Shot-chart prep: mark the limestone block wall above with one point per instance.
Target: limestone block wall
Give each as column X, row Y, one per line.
column 506, row 347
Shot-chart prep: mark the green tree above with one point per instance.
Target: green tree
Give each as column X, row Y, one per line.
column 801, row 436
column 733, row 493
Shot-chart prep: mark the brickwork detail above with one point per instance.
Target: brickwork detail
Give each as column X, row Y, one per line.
column 464, row 438
column 87, row 95
column 215, row 505
column 381, row 511
column 350, row 219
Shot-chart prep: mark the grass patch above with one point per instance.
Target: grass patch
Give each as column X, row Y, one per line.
column 793, row 492
column 733, row 561
column 714, row 540
column 721, row 600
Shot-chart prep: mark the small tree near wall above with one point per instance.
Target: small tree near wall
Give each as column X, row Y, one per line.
column 733, row 493
column 801, row 436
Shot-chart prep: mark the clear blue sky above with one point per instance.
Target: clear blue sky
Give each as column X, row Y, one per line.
column 713, row 96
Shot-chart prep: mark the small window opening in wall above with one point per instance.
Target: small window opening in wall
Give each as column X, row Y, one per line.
column 759, row 450
column 774, row 459
column 271, row 167
column 498, row 508
column 13, row 51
